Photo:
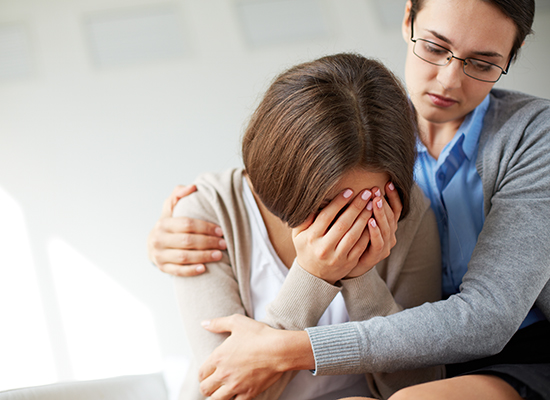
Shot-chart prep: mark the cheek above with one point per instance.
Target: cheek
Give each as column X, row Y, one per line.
column 418, row 74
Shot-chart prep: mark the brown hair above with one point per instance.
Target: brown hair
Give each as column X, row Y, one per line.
column 522, row 12
column 319, row 120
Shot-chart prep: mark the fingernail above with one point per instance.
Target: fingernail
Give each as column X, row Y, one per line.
column 377, row 193
column 216, row 255
column 205, row 324
column 390, row 186
column 223, row 244
column 219, row 231
column 200, row 268
column 348, row 193
column 366, row 195
column 369, row 205
column 373, row 223
column 379, row 203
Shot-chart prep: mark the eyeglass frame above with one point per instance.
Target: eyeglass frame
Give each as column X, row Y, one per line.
column 464, row 60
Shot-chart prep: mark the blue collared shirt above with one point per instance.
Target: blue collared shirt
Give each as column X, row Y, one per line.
column 454, row 188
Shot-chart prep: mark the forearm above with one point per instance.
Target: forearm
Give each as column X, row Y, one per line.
column 301, row 301
column 291, row 347
column 368, row 296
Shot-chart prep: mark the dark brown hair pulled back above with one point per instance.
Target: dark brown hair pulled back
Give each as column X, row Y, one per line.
column 522, row 12
column 321, row 119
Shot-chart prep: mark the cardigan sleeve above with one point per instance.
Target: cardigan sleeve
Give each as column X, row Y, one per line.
column 418, row 280
column 507, row 274
column 223, row 288
column 212, row 294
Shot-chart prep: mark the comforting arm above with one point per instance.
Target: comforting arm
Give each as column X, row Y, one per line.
column 406, row 283
column 412, row 276
column 507, row 272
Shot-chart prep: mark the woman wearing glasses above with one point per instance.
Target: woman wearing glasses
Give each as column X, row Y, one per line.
column 484, row 162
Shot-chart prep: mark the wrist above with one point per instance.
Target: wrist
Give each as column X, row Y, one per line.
column 294, row 351
column 316, row 271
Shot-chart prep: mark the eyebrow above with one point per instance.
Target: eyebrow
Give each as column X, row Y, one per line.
column 477, row 53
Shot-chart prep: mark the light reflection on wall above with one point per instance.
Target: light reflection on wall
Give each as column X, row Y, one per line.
column 26, row 353
column 109, row 332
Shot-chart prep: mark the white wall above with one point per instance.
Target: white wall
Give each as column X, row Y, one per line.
column 88, row 154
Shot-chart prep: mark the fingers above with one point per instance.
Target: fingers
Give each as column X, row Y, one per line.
column 189, row 225
column 183, row 270
column 178, row 192
column 223, row 324
column 190, row 241
column 362, row 244
column 385, row 219
column 330, row 213
column 223, row 393
column 349, row 225
column 394, row 200
column 356, row 239
column 173, row 243
column 208, row 381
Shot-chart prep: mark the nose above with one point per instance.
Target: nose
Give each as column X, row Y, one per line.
column 451, row 75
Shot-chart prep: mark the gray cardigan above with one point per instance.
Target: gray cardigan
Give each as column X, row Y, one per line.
column 508, row 273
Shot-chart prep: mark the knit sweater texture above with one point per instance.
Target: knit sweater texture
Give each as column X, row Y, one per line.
column 508, row 273
column 410, row 276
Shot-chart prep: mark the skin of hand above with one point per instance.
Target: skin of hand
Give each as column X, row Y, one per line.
column 179, row 246
column 386, row 216
column 231, row 373
column 362, row 235
column 255, row 355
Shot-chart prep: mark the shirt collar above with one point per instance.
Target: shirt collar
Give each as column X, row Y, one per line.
column 471, row 128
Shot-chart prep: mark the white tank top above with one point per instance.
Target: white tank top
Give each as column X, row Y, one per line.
column 267, row 274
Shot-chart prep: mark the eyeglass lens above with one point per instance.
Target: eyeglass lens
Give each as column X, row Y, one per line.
column 438, row 55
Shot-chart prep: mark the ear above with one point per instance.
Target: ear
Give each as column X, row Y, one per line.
column 406, row 26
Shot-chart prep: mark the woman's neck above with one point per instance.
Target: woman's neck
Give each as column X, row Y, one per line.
column 280, row 234
column 435, row 136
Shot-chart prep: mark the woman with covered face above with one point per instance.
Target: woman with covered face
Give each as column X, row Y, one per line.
column 484, row 163
column 331, row 140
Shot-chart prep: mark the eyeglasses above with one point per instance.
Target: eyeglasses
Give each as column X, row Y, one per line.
column 438, row 55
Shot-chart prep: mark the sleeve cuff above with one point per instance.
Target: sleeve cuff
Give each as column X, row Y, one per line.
column 301, row 301
column 336, row 348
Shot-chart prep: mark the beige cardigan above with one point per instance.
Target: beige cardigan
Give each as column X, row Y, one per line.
column 409, row 277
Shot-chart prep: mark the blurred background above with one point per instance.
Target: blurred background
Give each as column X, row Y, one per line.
column 106, row 105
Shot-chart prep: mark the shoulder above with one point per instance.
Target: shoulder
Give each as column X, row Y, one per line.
column 510, row 110
column 502, row 99
column 515, row 122
column 216, row 192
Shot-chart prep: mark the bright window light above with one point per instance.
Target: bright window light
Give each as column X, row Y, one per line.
column 26, row 357
column 109, row 332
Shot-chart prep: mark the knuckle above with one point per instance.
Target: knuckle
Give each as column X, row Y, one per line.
column 156, row 241
column 187, row 240
column 188, row 224
column 377, row 246
column 358, row 205
column 321, row 253
column 339, row 228
column 184, row 272
column 204, row 390
column 183, row 257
